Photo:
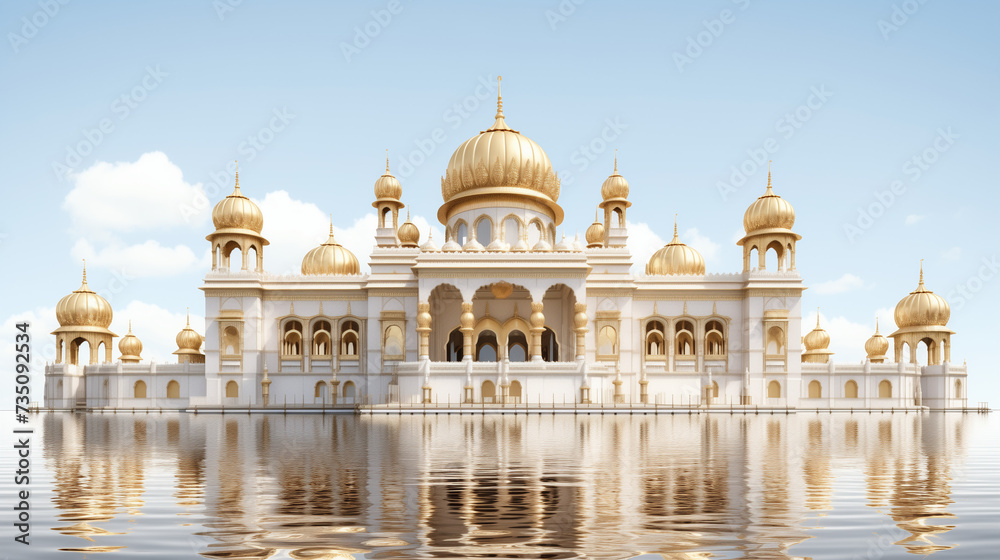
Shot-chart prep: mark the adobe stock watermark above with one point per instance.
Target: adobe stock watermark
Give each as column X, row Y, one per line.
column 248, row 150
column 588, row 152
column 562, row 11
column 121, row 107
column 913, row 169
column 702, row 40
column 965, row 292
column 31, row 25
column 786, row 126
column 224, row 7
column 365, row 34
column 899, row 17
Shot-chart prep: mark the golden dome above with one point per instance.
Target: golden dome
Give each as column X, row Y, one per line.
column 387, row 186
column 675, row 258
column 130, row 346
column 922, row 308
column 500, row 161
column 816, row 339
column 330, row 258
column 595, row 234
column 84, row 308
column 770, row 211
column 877, row 345
column 615, row 187
column 188, row 339
column 237, row 212
column 408, row 234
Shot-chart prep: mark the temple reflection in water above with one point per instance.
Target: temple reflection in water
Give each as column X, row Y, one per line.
column 311, row 486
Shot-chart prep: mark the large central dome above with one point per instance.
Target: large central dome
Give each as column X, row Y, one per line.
column 502, row 162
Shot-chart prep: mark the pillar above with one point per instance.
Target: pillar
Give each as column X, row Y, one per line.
column 619, row 395
column 580, row 327
column 426, row 392
column 335, row 390
column 644, row 391
column 424, row 329
column 537, row 327
column 467, row 321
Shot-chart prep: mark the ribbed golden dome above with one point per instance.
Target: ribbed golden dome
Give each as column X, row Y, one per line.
column 816, row 339
column 675, row 258
column 188, row 339
column 387, row 186
column 501, row 160
column 877, row 345
column 615, row 187
column 409, row 235
column 770, row 211
column 922, row 308
column 595, row 234
column 330, row 258
column 130, row 346
column 237, row 212
column 84, row 308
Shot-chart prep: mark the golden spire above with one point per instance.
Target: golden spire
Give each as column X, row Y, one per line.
column 189, row 316
column 387, row 161
column 84, row 285
column 817, row 317
column 499, row 124
column 130, row 326
column 499, row 114
column 876, row 325
column 921, row 286
column 675, row 226
column 616, row 161
column 331, row 224
column 769, row 191
column 236, row 191
column 597, row 214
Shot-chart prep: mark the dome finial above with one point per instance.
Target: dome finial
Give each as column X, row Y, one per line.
column 817, row 317
column 130, row 326
column 237, row 190
column 921, row 287
column 84, row 274
column 675, row 226
column 769, row 191
column 499, row 99
column 616, row 161
column 189, row 316
column 876, row 324
column 499, row 123
column 387, row 161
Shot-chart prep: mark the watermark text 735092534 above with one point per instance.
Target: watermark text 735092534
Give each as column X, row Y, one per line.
column 22, row 390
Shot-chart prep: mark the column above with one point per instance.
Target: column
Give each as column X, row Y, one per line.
column 580, row 327
column 467, row 321
column 537, row 327
column 424, row 329
column 243, row 256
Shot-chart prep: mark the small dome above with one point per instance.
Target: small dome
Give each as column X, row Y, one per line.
column 816, row 339
column 770, row 211
column 451, row 246
column 615, row 187
column 331, row 258
column 387, row 186
column 675, row 258
column 130, row 346
column 595, row 234
column 409, row 235
column 429, row 246
column 237, row 212
column 84, row 308
column 564, row 245
column 922, row 308
column 188, row 340
column 877, row 345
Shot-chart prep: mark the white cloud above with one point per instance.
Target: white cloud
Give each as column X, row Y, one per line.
column 913, row 219
column 155, row 327
column 41, row 321
column 642, row 243
column 149, row 193
column 845, row 283
column 143, row 260
column 953, row 254
column 708, row 248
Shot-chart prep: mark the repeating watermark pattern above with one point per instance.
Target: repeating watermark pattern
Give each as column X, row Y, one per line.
column 913, row 169
column 121, row 107
column 705, row 38
column 365, row 34
column 899, row 17
column 225, row 7
column 881, row 542
column 787, row 126
column 966, row 291
column 248, row 150
column 33, row 24
column 562, row 12
column 588, row 152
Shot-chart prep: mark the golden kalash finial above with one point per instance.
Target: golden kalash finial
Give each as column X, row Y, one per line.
column 237, row 189
column 920, row 285
column 499, row 99
column 769, row 191
column 499, row 123
column 675, row 226
column 876, row 324
column 189, row 316
column 84, row 273
column 817, row 317
column 386, row 168
column 616, row 162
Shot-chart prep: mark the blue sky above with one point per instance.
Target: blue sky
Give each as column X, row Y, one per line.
column 309, row 95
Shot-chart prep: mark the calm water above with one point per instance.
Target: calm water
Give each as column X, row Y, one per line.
column 704, row 486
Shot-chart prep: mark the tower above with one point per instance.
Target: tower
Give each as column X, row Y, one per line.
column 614, row 193
column 768, row 225
column 131, row 347
column 238, row 223
column 922, row 316
column 84, row 317
column 387, row 194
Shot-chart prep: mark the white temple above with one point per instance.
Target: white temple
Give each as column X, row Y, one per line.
column 504, row 312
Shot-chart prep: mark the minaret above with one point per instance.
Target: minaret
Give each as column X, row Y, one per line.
column 238, row 224
column 614, row 193
column 768, row 225
column 387, row 194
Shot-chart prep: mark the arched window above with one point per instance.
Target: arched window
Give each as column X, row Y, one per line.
column 517, row 347
column 484, row 231
column 550, row 347
column 231, row 252
column 619, row 218
column 349, row 340
column 319, row 390
column 654, row 340
column 486, row 347
column 851, row 389
column 456, row 346
column 322, row 339
column 489, row 391
column 885, row 389
column 291, row 343
column 515, row 392
column 607, row 341
column 715, row 390
column 779, row 253
column 173, row 389
column 232, row 390
column 350, row 392
column 774, row 390
column 815, row 390
column 958, row 388
column 534, row 232
column 511, row 231
column 684, row 339
column 393, row 343
column 461, row 233
column 76, row 351
column 252, row 257
column 139, row 391
column 231, row 341
column 775, row 341
column 715, row 340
